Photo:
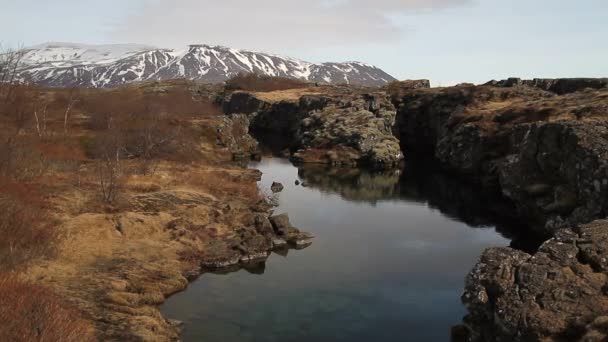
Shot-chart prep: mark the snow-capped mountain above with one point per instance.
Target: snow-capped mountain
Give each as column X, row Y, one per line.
column 70, row 65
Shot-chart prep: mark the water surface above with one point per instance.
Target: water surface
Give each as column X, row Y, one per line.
column 388, row 262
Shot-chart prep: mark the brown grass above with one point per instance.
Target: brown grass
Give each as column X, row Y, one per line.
column 292, row 95
column 30, row 312
column 262, row 83
column 224, row 185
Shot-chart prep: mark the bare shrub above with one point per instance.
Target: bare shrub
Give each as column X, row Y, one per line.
column 19, row 159
column 30, row 312
column 109, row 166
column 262, row 83
column 26, row 230
column 10, row 60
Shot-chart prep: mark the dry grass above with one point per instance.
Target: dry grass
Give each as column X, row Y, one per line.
column 225, row 185
column 292, row 95
column 262, row 83
column 56, row 229
column 30, row 312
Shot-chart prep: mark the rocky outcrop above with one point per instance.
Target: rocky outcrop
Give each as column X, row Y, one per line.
column 559, row 170
column 559, row 293
column 343, row 126
column 556, row 85
column 233, row 134
column 287, row 233
column 548, row 154
column 545, row 152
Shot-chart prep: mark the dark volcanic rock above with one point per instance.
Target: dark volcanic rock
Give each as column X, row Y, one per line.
column 285, row 231
column 233, row 134
column 344, row 126
column 556, row 85
column 559, row 293
column 548, row 154
column 276, row 187
column 545, row 152
column 560, row 171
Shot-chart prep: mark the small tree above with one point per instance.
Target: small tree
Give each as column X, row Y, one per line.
column 109, row 153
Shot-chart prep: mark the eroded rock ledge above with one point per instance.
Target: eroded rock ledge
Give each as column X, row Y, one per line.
column 547, row 153
column 559, row 293
column 544, row 145
column 326, row 125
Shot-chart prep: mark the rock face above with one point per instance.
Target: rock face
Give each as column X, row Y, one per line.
column 342, row 126
column 233, row 134
column 559, row 293
column 544, row 145
column 545, row 152
column 556, row 85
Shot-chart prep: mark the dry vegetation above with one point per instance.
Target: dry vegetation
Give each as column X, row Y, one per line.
column 262, row 83
column 32, row 312
column 74, row 165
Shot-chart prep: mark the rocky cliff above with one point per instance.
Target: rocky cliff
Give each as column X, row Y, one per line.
column 544, row 151
column 327, row 125
column 543, row 144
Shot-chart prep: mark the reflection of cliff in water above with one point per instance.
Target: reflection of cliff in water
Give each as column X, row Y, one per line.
column 352, row 184
column 455, row 198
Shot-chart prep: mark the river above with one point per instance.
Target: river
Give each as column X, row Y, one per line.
column 388, row 262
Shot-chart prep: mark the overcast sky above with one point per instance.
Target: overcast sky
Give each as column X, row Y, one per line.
column 447, row 41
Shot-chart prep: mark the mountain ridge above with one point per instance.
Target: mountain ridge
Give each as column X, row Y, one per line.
column 58, row 64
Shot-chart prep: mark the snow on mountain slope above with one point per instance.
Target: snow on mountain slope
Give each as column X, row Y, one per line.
column 67, row 54
column 70, row 65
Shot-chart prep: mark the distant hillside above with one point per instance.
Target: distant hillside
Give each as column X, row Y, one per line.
column 69, row 65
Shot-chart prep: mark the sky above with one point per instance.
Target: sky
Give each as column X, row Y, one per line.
column 446, row 41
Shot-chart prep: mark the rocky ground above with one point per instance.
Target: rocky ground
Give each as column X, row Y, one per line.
column 116, row 261
column 117, row 267
column 543, row 144
column 339, row 126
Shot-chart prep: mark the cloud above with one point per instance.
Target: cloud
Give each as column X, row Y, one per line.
column 270, row 25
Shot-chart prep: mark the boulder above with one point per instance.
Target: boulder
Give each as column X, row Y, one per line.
column 559, row 293
column 285, row 231
column 276, row 187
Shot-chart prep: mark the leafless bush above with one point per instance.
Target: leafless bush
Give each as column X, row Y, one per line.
column 109, row 166
column 26, row 230
column 19, row 159
column 10, row 60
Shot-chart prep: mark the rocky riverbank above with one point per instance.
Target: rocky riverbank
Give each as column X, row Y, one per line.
column 544, row 145
column 184, row 208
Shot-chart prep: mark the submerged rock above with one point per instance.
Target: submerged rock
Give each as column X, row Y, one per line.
column 276, row 187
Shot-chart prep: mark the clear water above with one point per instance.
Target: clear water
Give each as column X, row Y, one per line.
column 388, row 263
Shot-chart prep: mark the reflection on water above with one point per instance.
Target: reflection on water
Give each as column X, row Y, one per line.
column 388, row 263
